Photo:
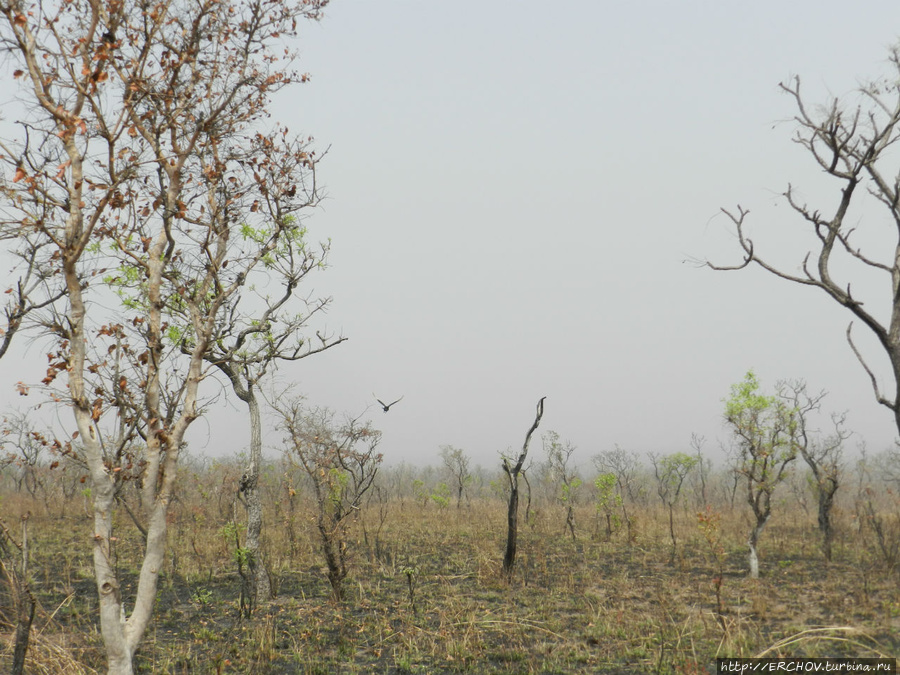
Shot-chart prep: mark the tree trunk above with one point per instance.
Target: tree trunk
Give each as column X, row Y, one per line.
column 122, row 633
column 702, row 482
column 672, row 531
column 119, row 649
column 337, row 570
column 628, row 526
column 512, row 516
column 735, row 479
column 753, row 559
column 895, row 362
column 23, row 601
column 23, row 629
column 826, row 501
column 512, row 523
column 527, row 500
column 259, row 576
column 112, row 614
column 754, row 551
column 570, row 521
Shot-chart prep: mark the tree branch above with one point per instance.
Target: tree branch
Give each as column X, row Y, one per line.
column 878, row 396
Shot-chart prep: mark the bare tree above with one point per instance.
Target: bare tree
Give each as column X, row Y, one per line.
column 563, row 475
column 456, row 461
column 25, row 450
column 142, row 153
column 853, row 145
column 35, row 285
column 341, row 461
column 704, row 467
column 822, row 455
column 512, row 472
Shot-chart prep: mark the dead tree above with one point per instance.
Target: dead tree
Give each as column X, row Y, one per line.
column 512, row 473
column 564, row 475
column 854, row 146
column 456, row 461
column 822, row 455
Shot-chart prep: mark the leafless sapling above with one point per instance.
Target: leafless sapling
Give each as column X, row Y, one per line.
column 456, row 461
column 700, row 477
column 563, row 476
column 512, row 472
column 341, row 461
column 823, row 455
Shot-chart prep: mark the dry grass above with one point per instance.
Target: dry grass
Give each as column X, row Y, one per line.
column 426, row 595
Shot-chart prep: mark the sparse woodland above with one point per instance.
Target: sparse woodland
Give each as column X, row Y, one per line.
column 154, row 215
column 425, row 590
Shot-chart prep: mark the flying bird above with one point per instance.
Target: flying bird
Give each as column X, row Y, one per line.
column 387, row 406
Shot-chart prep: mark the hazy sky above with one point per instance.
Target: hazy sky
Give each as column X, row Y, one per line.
column 513, row 189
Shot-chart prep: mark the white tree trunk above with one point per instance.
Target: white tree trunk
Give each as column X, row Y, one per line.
column 122, row 634
column 752, row 543
column 754, row 562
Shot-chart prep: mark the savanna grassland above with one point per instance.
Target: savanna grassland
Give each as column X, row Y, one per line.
column 426, row 593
